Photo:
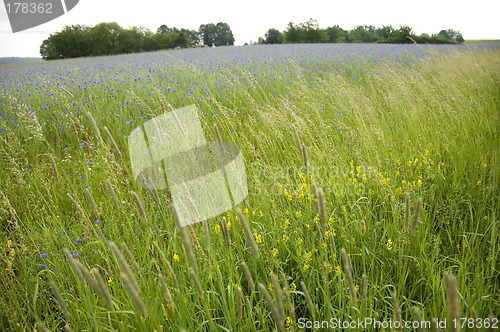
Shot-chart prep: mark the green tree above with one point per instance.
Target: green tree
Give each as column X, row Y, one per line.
column 104, row 37
column 336, row 34
column 274, row 36
column 216, row 35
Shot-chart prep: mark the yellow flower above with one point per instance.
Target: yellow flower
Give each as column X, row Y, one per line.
column 12, row 253
column 288, row 322
column 9, row 243
column 285, row 238
column 389, row 244
column 337, row 269
column 275, row 251
column 110, row 281
column 299, row 213
column 217, row 229
column 305, row 268
column 258, row 237
column 176, row 258
column 293, row 286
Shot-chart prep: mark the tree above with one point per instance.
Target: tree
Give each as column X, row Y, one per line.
column 104, row 37
column 274, row 36
column 336, row 34
column 216, row 35
column 451, row 35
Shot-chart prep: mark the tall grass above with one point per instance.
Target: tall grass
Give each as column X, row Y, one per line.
column 429, row 128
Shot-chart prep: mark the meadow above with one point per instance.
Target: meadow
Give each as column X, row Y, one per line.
column 373, row 191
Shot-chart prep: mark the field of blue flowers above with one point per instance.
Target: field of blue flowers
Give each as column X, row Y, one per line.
column 372, row 190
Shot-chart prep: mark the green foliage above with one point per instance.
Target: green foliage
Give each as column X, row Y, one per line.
column 111, row 38
column 219, row 34
column 310, row 32
column 274, row 36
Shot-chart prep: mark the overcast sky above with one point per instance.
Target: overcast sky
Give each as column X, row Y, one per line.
column 250, row 19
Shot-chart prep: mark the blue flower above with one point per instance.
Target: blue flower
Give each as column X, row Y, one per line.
column 25, row 169
column 96, row 222
column 66, row 149
column 78, row 240
column 74, row 255
column 43, row 266
column 43, row 255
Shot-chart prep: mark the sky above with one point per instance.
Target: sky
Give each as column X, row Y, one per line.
column 250, row 20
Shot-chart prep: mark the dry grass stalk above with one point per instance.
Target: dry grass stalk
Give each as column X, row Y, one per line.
column 434, row 325
column 166, row 292
column 325, row 274
column 474, row 316
column 131, row 258
column 332, row 243
column 134, row 294
column 374, row 240
column 248, row 276
column 248, row 234
column 407, row 211
column 362, row 226
column 416, row 217
column 113, row 143
column 73, row 265
column 288, row 298
column 322, row 209
column 418, row 318
column 101, row 235
column 304, row 155
column 309, row 302
column 362, row 288
column 94, row 127
column 154, row 192
column 42, row 327
column 452, row 299
column 315, row 195
column 239, row 301
column 185, row 241
column 54, row 168
column 397, row 310
column 90, row 198
column 75, row 203
column 297, row 139
column 207, row 234
column 102, row 286
column 112, row 193
column 348, row 273
column 139, row 206
column 196, row 281
column 59, row 300
column 225, row 231
column 67, row 328
column 125, row 266
column 274, row 310
column 278, row 296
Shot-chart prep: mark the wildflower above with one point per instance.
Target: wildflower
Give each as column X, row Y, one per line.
column 389, row 244
column 275, row 252
column 43, row 255
column 9, row 243
column 258, row 237
column 78, row 240
column 217, row 229
column 74, row 255
column 176, row 257
column 306, row 267
column 43, row 266
column 110, row 281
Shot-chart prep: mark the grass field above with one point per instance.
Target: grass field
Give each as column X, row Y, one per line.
column 84, row 248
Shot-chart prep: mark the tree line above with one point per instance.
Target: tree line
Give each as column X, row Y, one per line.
column 110, row 38
column 310, row 32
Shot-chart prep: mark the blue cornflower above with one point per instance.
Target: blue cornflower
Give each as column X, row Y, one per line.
column 96, row 222
column 78, row 240
column 43, row 255
column 74, row 255
column 82, row 176
column 66, row 149
column 117, row 115
column 43, row 266
column 88, row 163
column 82, row 144
column 25, row 169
